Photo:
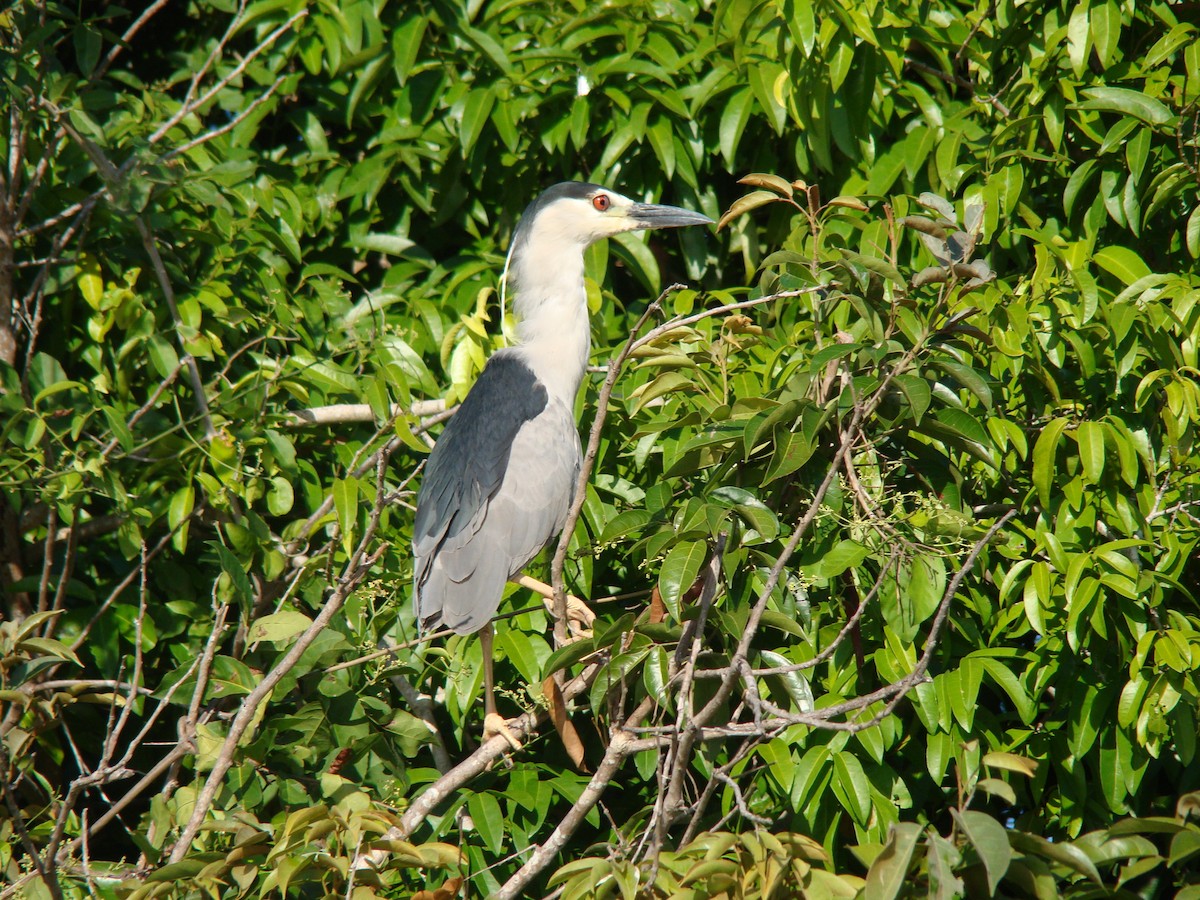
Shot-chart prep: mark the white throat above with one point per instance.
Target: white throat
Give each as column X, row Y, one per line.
column 553, row 331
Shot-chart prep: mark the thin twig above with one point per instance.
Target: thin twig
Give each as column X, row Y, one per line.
column 833, row 645
column 168, row 292
column 18, row 822
column 109, row 58
column 233, row 123
column 191, row 103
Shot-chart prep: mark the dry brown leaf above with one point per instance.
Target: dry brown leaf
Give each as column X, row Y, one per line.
column 745, row 204
column 772, row 182
column 658, row 609
column 562, row 724
column 448, row 891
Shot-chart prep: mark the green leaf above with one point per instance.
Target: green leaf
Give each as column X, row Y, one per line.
column 280, row 497
column 802, row 24
column 792, row 450
column 1057, row 851
column 625, row 523
column 1127, row 102
column 995, row 787
column 733, row 123
column 794, row 683
column 655, row 674
column 518, row 647
column 406, row 44
column 1045, row 459
column 489, row 820
column 666, row 383
column 237, row 574
column 1123, row 263
column 228, row 678
column 778, row 757
column 943, row 859
column 48, row 647
column 90, row 280
column 162, row 355
column 745, row 204
column 679, row 571
column 639, row 259
column 970, row 379
column 845, row 554
column 990, row 841
column 46, row 372
column 852, row 787
column 278, row 628
column 568, row 655
column 1008, row 682
column 182, row 503
column 916, row 391
column 926, row 585
column 1184, row 846
column 1090, row 437
column 874, row 264
column 1079, row 179
column 488, row 46
column 761, row 424
column 757, row 514
column 475, row 115
column 87, row 48
column 964, row 425
column 1192, row 233
column 889, row 872
column 1106, row 31
column 345, row 504
column 763, row 78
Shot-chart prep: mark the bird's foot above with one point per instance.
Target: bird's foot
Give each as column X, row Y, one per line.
column 494, row 725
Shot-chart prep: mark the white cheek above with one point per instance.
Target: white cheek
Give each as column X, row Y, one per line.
column 579, row 223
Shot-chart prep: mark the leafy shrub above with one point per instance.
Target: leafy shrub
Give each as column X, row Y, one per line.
column 893, row 550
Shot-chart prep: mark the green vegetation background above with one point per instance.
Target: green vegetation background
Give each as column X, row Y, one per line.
column 985, row 220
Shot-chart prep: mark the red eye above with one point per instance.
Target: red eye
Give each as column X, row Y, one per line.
column 601, row 202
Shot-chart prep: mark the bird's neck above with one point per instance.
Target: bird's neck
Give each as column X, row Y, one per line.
column 552, row 323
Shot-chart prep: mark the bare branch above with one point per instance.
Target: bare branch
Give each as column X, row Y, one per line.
column 345, row 413
column 742, row 808
column 255, row 698
column 542, row 855
column 117, row 591
column 422, row 707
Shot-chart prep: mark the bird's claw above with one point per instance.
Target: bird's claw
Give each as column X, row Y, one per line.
column 494, row 725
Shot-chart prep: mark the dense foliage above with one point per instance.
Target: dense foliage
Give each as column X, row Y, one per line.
column 891, row 534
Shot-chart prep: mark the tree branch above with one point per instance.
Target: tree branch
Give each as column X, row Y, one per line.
column 356, row 569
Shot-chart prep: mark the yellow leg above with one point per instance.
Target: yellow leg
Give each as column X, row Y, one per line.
column 493, row 723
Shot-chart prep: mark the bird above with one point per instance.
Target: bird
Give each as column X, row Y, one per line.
column 501, row 478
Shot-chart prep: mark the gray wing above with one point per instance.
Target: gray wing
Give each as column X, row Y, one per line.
column 497, row 488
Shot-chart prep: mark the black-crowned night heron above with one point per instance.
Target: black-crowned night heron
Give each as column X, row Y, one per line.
column 501, row 479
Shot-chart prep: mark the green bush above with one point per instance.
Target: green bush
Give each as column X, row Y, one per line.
column 892, row 527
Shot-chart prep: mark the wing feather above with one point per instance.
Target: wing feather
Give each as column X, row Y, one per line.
column 497, row 488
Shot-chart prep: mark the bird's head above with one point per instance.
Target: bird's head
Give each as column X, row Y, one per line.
column 575, row 212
